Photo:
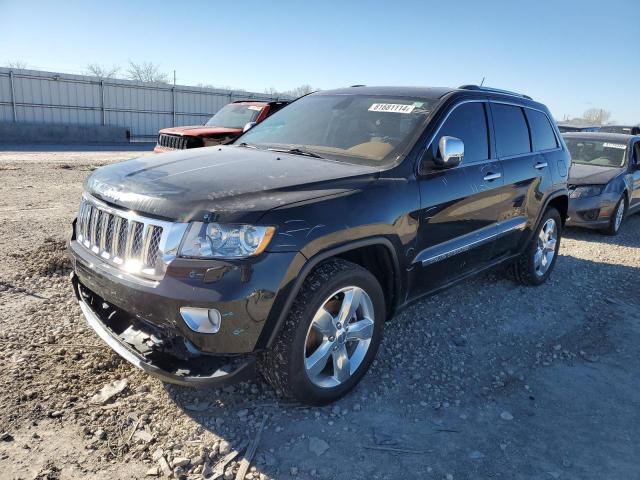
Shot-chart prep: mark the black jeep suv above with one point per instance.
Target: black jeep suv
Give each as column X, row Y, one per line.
column 294, row 245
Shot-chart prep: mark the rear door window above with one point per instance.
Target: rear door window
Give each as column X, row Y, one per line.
column 512, row 133
column 468, row 122
column 542, row 136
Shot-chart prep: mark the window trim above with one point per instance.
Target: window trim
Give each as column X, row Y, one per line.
column 635, row 153
column 531, row 131
column 526, row 122
column 493, row 152
column 487, row 115
column 559, row 142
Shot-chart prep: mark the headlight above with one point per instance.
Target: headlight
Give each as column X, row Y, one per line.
column 215, row 240
column 587, row 191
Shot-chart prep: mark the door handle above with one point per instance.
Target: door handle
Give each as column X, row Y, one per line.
column 492, row 176
column 540, row 165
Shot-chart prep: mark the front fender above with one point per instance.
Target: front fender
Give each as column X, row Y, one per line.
column 298, row 271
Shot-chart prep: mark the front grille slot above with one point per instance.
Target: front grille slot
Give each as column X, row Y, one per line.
column 176, row 142
column 134, row 244
column 152, row 242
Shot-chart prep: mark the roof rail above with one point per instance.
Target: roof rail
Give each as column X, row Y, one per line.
column 494, row 90
column 352, row 86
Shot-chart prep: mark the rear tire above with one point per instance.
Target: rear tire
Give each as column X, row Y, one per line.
column 290, row 366
column 618, row 217
column 536, row 263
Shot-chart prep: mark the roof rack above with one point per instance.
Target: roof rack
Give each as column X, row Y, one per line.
column 494, row 90
column 352, row 86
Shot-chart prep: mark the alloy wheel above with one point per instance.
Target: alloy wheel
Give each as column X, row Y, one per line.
column 619, row 215
column 339, row 337
column 546, row 247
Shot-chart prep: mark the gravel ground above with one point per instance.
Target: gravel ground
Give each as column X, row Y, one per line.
column 486, row 380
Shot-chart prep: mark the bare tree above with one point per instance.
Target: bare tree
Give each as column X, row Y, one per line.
column 102, row 72
column 593, row 116
column 146, row 72
column 294, row 92
column 301, row 90
column 16, row 64
column 596, row 116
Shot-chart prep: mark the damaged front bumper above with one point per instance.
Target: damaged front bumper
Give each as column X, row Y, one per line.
column 592, row 212
column 172, row 360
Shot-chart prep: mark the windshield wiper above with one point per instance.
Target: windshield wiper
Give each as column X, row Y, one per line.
column 296, row 151
column 247, row 145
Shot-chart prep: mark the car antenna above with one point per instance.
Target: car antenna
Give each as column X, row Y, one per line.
column 482, row 82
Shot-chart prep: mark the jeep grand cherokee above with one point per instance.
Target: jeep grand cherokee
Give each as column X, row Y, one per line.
column 291, row 247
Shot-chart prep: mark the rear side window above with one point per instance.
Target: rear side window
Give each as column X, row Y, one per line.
column 468, row 122
column 512, row 133
column 542, row 136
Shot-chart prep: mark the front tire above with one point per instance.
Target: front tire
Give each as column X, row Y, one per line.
column 618, row 216
column 536, row 263
column 330, row 336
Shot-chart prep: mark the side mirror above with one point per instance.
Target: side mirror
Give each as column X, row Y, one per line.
column 450, row 152
column 248, row 126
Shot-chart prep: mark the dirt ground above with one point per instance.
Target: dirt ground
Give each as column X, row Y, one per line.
column 486, row 380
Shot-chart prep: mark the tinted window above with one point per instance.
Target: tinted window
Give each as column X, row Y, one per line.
column 512, row 134
column 468, row 122
column 637, row 153
column 542, row 135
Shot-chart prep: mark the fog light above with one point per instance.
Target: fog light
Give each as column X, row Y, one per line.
column 590, row 214
column 201, row 320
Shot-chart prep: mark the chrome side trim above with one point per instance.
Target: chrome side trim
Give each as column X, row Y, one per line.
column 462, row 244
column 492, row 176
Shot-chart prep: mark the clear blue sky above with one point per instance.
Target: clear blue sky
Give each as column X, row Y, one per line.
column 571, row 55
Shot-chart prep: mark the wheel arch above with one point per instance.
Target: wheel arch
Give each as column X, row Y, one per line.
column 355, row 252
column 560, row 201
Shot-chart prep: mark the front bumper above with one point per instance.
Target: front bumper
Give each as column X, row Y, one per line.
column 591, row 212
column 165, row 362
column 243, row 292
column 161, row 149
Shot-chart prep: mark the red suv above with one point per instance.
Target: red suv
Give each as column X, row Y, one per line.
column 224, row 127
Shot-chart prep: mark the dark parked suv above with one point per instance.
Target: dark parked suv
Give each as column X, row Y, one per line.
column 294, row 245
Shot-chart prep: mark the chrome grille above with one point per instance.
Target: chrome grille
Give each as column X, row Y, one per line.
column 154, row 234
column 172, row 141
column 138, row 245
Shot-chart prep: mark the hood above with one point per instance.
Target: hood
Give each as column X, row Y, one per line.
column 201, row 131
column 222, row 183
column 581, row 174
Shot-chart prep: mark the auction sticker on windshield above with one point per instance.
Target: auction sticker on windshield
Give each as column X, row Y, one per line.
column 391, row 107
column 614, row 145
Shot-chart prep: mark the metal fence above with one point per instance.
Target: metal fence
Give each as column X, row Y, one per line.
column 58, row 98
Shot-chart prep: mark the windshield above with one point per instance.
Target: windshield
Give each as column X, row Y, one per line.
column 349, row 128
column 234, row 116
column 596, row 152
